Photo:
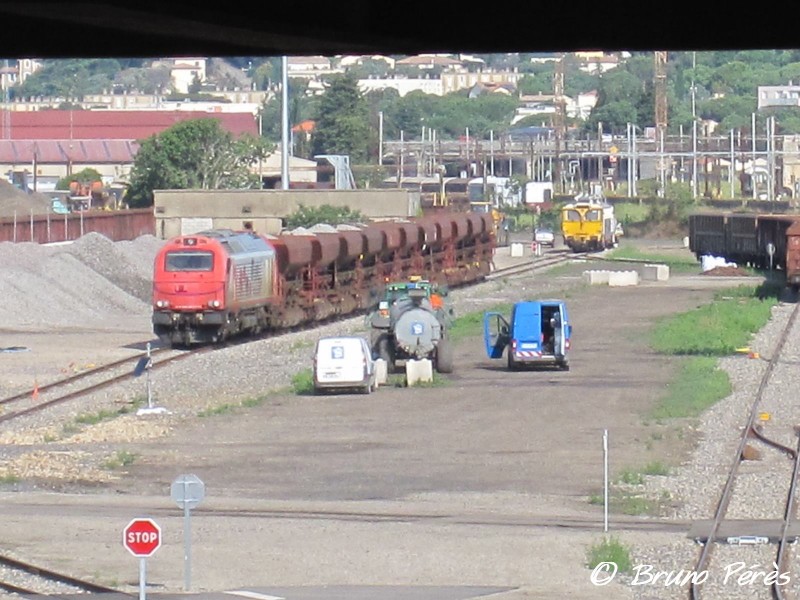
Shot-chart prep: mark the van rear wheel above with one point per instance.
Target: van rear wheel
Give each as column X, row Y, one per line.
column 512, row 364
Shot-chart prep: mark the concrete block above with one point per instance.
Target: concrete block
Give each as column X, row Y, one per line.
column 655, row 273
column 517, row 250
column 623, row 278
column 419, row 371
column 596, row 277
column 381, row 372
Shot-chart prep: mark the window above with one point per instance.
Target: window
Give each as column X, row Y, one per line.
column 593, row 215
column 572, row 216
column 189, row 261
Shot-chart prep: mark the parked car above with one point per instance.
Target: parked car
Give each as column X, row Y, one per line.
column 343, row 362
column 544, row 236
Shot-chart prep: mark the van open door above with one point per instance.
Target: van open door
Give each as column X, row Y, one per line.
column 495, row 334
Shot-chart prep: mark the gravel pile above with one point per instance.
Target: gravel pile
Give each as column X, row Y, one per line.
column 90, row 284
column 128, row 265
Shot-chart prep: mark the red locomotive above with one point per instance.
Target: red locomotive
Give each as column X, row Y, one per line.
column 217, row 284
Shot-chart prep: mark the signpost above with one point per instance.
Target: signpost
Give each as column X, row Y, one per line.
column 143, row 366
column 142, row 537
column 187, row 491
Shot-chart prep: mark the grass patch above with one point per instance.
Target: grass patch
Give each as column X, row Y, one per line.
column 656, row 468
column 630, row 477
column 437, row 381
column 675, row 263
column 398, row 380
column 699, row 384
column 120, row 459
column 303, row 382
column 98, row 417
column 222, row 409
column 718, row 328
column 471, row 324
column 632, row 503
column 253, row 402
column 610, row 549
column 8, row 479
column 630, row 212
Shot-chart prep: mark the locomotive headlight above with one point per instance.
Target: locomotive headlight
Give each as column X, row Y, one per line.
column 214, row 304
column 162, row 304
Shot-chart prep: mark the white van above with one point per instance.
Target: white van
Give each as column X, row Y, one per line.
column 343, row 362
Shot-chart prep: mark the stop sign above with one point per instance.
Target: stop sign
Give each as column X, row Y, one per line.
column 142, row 537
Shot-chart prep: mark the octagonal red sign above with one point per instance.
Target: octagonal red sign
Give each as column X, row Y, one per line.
column 142, row 537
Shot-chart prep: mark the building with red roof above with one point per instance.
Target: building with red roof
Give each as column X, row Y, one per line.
column 57, row 143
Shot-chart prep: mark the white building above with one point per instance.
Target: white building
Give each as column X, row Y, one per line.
column 778, row 95
column 184, row 71
column 403, row 86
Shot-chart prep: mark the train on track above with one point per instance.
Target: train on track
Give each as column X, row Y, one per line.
column 589, row 224
column 217, row 284
column 761, row 241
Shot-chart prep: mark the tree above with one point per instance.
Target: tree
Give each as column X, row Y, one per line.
column 85, row 176
column 342, row 126
column 308, row 216
column 301, row 107
column 69, row 78
column 196, row 154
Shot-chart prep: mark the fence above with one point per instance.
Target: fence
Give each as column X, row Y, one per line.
column 43, row 229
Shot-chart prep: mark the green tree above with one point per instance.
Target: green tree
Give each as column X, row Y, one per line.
column 308, row 216
column 342, row 126
column 84, row 176
column 301, row 107
column 196, row 154
column 70, row 78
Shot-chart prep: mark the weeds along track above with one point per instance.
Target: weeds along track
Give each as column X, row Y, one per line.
column 25, row 579
column 86, row 382
column 745, row 545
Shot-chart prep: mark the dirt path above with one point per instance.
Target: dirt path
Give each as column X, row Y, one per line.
column 435, row 486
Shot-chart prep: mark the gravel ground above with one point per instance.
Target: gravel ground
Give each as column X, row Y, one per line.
column 696, row 485
column 97, row 277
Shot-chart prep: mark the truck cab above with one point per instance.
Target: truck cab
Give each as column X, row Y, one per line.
column 537, row 333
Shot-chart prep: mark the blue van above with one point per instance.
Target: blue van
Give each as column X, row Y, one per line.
column 538, row 333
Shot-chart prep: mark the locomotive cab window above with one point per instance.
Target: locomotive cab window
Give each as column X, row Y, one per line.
column 593, row 215
column 572, row 216
column 189, row 261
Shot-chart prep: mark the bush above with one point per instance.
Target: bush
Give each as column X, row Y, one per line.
column 307, row 216
column 610, row 550
column 303, row 382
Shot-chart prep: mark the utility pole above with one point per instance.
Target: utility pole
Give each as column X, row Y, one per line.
column 284, row 124
column 660, row 85
column 694, row 129
column 560, row 118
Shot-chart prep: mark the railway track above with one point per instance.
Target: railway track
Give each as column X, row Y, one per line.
column 752, row 430
column 25, row 579
column 550, row 259
column 87, row 382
